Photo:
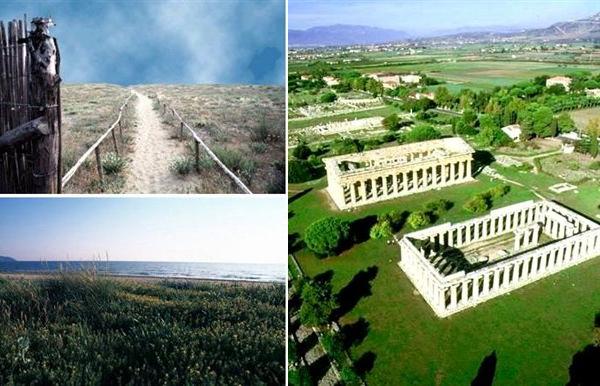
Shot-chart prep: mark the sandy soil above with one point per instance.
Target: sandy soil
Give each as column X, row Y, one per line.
column 153, row 150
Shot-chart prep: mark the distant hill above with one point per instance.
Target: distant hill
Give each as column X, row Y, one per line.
column 6, row 259
column 343, row 35
column 582, row 29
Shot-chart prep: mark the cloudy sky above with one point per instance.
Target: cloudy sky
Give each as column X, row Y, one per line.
column 422, row 17
column 231, row 229
column 133, row 42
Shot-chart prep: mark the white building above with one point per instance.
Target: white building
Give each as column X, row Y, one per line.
column 410, row 78
column 565, row 81
column 389, row 81
column 593, row 92
column 330, row 81
column 513, row 132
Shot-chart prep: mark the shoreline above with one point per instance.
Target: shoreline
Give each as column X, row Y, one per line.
column 135, row 278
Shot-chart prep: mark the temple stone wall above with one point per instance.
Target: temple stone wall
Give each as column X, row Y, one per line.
column 573, row 239
column 377, row 175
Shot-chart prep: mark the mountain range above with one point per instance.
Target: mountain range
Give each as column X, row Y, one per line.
column 6, row 259
column 342, row 35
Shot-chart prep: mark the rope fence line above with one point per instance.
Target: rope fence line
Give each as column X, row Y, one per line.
column 199, row 141
column 95, row 147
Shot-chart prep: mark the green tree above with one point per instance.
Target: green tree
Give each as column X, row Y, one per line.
column 302, row 151
column 565, row 123
column 418, row 219
column 422, row 132
column 301, row 171
column 327, row 236
column 443, row 96
column 317, row 303
column 542, row 121
column 391, row 122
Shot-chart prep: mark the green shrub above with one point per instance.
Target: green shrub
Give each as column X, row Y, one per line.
column 499, row 191
column 327, row 236
column 328, row 97
column 381, row 230
column 112, row 163
column 418, row 219
column 478, row 204
column 438, row 206
column 349, row 376
column 595, row 165
column 181, row 165
column 237, row 163
column 259, row 147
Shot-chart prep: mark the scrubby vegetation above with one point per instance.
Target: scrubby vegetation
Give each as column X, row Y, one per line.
column 326, row 236
column 112, row 163
column 79, row 329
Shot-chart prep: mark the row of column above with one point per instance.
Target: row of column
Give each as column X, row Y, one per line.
column 484, row 228
column 511, row 274
column 395, row 184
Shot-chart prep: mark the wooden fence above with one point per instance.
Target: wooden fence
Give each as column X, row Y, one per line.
column 30, row 113
column 199, row 142
column 95, row 148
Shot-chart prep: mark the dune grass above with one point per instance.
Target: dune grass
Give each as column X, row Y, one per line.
column 79, row 329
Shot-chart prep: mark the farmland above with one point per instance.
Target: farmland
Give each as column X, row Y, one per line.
column 85, row 329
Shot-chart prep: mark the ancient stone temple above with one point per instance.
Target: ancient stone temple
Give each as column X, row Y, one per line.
column 457, row 266
column 364, row 178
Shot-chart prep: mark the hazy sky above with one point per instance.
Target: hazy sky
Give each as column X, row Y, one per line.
column 194, row 41
column 425, row 16
column 245, row 229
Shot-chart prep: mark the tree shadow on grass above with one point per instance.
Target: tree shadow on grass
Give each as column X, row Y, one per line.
column 585, row 365
column 481, row 158
column 356, row 289
column 299, row 195
column 319, row 368
column 365, row 363
column 360, row 228
column 487, row 371
column 295, row 243
column 354, row 333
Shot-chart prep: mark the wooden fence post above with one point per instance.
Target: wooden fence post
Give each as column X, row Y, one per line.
column 181, row 132
column 164, row 108
column 114, row 137
column 121, row 130
column 99, row 163
column 197, row 156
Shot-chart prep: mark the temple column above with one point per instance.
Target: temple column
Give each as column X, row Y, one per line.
column 496, row 284
column 505, row 276
column 465, row 292
column 453, row 297
column 469, row 236
column 469, row 170
column 394, row 184
column 475, row 289
column 353, row 192
column 486, row 283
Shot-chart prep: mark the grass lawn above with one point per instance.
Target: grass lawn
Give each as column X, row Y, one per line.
column 535, row 330
column 79, row 329
column 379, row 111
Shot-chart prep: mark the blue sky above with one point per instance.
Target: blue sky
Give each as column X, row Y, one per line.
column 133, row 42
column 423, row 17
column 244, row 229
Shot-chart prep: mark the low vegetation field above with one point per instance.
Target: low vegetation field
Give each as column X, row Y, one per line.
column 80, row 329
column 88, row 111
column 243, row 125
column 583, row 116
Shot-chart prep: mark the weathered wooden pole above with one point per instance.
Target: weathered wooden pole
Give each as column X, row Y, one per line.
column 121, row 130
column 44, row 92
column 197, row 156
column 99, row 163
column 114, row 137
column 181, row 131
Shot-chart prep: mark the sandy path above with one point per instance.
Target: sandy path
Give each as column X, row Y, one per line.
column 153, row 150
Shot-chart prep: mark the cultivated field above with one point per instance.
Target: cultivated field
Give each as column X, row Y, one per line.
column 243, row 125
column 79, row 329
column 583, row 116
